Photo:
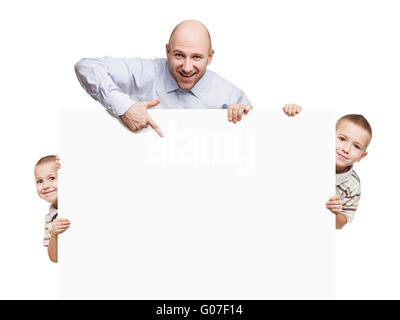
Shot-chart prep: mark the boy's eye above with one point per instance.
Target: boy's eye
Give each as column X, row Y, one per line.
column 52, row 178
column 341, row 139
column 357, row 147
column 39, row 181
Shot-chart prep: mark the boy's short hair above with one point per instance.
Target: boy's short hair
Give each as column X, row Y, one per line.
column 46, row 159
column 358, row 120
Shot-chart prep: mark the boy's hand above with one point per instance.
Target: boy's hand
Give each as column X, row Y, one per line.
column 334, row 204
column 60, row 225
column 58, row 164
column 291, row 109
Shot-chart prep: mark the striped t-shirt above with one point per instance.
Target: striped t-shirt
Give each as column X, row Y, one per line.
column 49, row 224
column 348, row 188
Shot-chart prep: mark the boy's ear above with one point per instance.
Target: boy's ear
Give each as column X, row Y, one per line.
column 363, row 156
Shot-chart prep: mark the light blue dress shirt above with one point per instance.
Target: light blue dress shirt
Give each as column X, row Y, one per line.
column 119, row 83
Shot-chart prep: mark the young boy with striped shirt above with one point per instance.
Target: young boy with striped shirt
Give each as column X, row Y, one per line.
column 46, row 185
column 353, row 135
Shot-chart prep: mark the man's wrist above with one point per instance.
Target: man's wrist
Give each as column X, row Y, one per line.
column 117, row 103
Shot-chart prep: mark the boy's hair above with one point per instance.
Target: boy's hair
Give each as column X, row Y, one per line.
column 46, row 159
column 358, row 120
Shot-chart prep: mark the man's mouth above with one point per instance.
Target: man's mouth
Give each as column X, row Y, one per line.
column 186, row 75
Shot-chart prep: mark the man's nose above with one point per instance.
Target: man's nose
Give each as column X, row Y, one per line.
column 187, row 65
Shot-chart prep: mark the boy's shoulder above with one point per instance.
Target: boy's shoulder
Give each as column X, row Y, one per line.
column 349, row 183
column 355, row 176
column 52, row 214
column 349, row 175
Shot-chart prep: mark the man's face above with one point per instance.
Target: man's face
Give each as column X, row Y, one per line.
column 188, row 56
column 46, row 181
column 351, row 144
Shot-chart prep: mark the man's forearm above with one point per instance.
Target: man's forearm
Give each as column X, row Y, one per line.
column 107, row 80
column 52, row 249
column 341, row 220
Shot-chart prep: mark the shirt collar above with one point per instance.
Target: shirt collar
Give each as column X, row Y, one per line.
column 342, row 177
column 202, row 86
column 172, row 85
column 52, row 211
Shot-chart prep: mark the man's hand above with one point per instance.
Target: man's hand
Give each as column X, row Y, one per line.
column 334, row 204
column 60, row 225
column 235, row 111
column 291, row 109
column 137, row 118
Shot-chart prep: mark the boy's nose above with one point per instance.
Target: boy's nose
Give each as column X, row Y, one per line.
column 347, row 147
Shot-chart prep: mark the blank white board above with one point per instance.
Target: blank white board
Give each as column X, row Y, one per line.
column 214, row 210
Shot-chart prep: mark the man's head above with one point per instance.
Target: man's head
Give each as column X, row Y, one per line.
column 353, row 135
column 189, row 51
column 46, row 179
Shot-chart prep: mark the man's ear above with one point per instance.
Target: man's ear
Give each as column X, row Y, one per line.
column 167, row 49
column 210, row 56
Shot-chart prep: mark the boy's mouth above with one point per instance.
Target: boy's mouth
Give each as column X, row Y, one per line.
column 48, row 192
column 342, row 156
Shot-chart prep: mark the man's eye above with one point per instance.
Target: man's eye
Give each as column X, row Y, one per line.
column 178, row 55
column 197, row 57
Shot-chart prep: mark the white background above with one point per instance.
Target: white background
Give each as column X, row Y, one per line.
column 320, row 54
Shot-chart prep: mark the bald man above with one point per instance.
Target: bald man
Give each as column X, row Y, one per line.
column 128, row 87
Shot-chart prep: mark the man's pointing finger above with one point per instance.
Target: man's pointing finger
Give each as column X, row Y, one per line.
column 156, row 127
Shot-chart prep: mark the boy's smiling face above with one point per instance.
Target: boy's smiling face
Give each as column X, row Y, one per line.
column 351, row 144
column 46, row 181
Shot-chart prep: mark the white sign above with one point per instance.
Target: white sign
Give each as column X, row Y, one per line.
column 214, row 210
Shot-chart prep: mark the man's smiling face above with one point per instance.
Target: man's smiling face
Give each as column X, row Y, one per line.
column 188, row 54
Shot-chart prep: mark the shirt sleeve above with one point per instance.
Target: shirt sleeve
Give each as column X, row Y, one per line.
column 350, row 203
column 243, row 99
column 113, row 82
